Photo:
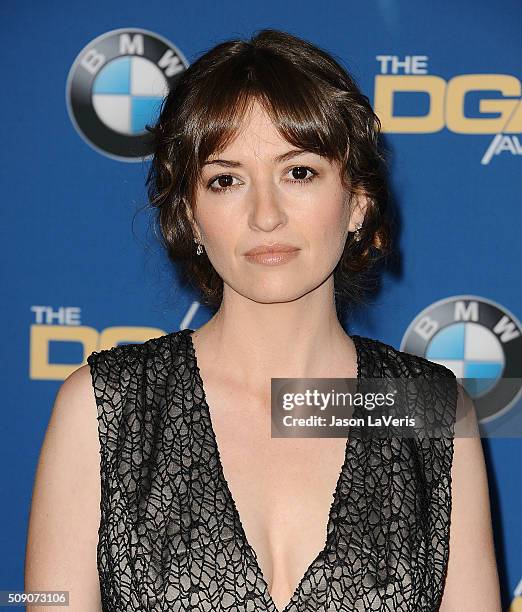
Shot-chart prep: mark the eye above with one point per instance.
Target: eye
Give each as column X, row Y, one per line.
column 300, row 170
column 225, row 181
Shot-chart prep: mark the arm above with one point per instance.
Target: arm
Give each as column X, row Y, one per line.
column 65, row 509
column 472, row 580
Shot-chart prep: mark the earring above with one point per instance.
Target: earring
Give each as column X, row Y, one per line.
column 357, row 234
column 199, row 248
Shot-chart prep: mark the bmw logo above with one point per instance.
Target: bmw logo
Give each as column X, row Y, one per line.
column 480, row 341
column 116, row 86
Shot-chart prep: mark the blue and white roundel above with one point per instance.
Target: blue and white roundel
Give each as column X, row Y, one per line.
column 472, row 352
column 127, row 93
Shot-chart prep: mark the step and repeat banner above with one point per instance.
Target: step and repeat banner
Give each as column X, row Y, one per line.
column 83, row 268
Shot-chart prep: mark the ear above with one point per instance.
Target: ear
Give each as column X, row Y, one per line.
column 359, row 205
column 192, row 221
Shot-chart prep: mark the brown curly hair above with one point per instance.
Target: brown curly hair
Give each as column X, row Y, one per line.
column 314, row 104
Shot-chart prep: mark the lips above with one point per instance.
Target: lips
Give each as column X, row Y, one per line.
column 272, row 248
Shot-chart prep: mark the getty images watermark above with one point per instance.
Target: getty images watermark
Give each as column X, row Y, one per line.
column 385, row 407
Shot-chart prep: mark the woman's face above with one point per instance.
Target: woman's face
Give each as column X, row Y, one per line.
column 250, row 198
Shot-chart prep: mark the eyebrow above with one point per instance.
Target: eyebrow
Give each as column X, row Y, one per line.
column 278, row 159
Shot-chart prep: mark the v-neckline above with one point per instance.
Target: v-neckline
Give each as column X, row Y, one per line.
column 343, row 469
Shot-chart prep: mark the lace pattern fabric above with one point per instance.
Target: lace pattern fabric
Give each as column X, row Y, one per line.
column 171, row 538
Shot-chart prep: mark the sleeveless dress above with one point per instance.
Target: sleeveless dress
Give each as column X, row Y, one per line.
column 170, row 536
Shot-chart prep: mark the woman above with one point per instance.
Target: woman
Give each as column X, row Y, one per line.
column 266, row 158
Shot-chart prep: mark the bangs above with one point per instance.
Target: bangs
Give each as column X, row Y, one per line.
column 304, row 110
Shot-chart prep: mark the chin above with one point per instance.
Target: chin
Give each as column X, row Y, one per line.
column 270, row 293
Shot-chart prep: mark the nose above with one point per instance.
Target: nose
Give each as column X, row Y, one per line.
column 267, row 211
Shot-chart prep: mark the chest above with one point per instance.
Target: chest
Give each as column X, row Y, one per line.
column 282, row 487
column 239, row 530
column 203, row 510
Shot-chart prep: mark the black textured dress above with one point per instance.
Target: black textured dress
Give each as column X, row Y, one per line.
column 170, row 536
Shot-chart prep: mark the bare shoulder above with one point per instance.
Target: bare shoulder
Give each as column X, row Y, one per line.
column 65, row 506
column 472, row 579
column 72, row 430
column 75, row 396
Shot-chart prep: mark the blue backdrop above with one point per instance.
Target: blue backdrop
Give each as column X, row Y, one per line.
column 85, row 270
